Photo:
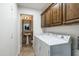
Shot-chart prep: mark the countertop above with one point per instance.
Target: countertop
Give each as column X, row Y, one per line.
column 53, row 39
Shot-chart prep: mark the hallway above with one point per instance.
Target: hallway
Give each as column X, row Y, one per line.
column 11, row 28
column 27, row 51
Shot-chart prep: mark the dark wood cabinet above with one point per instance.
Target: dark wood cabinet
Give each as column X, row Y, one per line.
column 70, row 12
column 48, row 18
column 56, row 11
column 43, row 20
column 60, row 13
column 52, row 16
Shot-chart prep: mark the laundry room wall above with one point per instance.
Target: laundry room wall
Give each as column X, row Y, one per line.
column 8, row 29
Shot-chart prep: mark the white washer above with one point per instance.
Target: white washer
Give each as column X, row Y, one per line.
column 50, row 45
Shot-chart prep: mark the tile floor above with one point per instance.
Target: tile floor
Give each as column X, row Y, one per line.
column 27, row 51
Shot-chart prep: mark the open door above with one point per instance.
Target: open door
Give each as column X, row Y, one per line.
column 27, row 30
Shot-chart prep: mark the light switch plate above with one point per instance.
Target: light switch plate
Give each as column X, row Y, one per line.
column 78, row 42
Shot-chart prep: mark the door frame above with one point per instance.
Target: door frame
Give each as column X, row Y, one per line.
column 21, row 26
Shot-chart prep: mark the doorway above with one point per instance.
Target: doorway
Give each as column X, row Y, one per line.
column 27, row 34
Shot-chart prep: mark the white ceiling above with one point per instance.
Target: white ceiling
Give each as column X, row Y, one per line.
column 37, row 6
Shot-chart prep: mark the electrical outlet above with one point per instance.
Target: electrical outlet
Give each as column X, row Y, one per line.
column 11, row 36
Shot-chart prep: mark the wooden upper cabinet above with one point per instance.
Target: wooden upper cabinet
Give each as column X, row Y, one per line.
column 60, row 13
column 70, row 12
column 43, row 20
column 56, row 11
column 48, row 18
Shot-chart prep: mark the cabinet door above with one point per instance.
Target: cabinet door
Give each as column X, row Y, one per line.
column 43, row 48
column 48, row 17
column 71, row 12
column 43, row 20
column 36, row 46
column 56, row 11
